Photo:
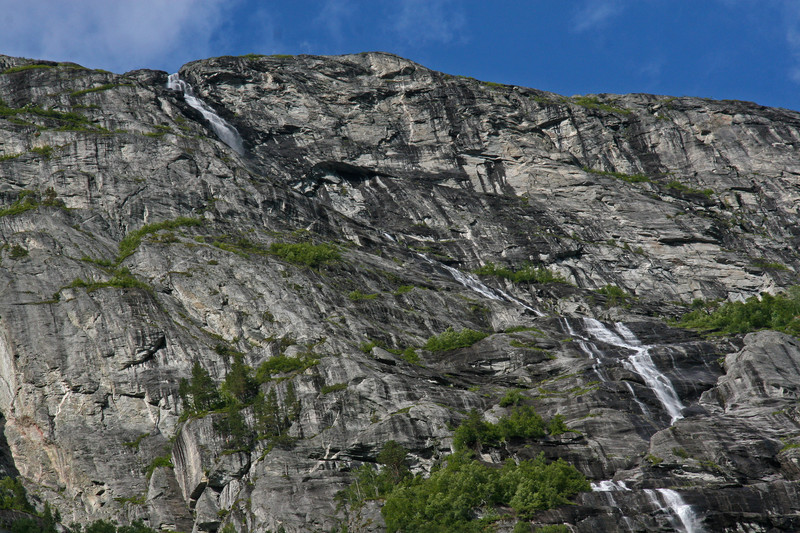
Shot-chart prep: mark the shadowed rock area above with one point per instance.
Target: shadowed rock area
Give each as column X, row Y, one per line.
column 304, row 277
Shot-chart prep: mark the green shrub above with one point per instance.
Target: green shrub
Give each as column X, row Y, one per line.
column 161, row 130
column 99, row 88
column 240, row 386
column 21, row 68
column 451, row 339
column 676, row 185
column 527, row 274
column 592, row 102
column 557, row 426
column 306, row 253
column 358, row 296
column 410, row 355
column 157, row 462
column 45, row 151
column 367, row 346
column 402, row 289
column 25, row 202
column 283, row 364
column 680, row 452
column 132, row 240
column 522, row 527
column 614, row 295
column 630, row 178
column 522, row 423
column 336, row 387
column 769, row 265
column 121, row 278
column 512, row 397
column 199, row 394
column 18, row 252
column 780, row 313
column 463, row 495
column 13, row 495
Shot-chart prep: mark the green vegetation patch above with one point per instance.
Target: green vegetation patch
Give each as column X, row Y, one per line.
column 46, row 151
column 20, row 516
column 22, row 68
column 28, row 200
column 161, row 130
column 306, row 253
column 358, row 296
column 464, row 494
column 780, row 312
column 132, row 240
column 69, row 119
column 676, row 185
column 158, row 462
column 8, row 157
column 527, row 274
column 630, row 178
column 592, row 102
column 769, row 265
column 451, row 339
column 522, row 423
column 512, row 397
column 121, row 278
column 283, row 364
column 336, row 387
column 615, row 296
column 99, row 88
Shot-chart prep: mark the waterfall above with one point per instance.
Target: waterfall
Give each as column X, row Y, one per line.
column 609, row 487
column 474, row 284
column 671, row 501
column 224, row 131
column 667, row 500
column 589, row 348
column 639, row 362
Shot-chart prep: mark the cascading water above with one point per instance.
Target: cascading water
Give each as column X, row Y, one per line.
column 667, row 500
column 474, row 284
column 224, row 131
column 609, row 487
column 589, row 348
column 671, row 501
column 640, row 362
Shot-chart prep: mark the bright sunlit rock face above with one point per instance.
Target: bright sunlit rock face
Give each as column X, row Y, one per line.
column 296, row 288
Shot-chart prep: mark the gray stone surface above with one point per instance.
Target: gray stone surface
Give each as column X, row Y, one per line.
column 411, row 173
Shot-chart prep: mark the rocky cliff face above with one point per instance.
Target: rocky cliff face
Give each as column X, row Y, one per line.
column 136, row 244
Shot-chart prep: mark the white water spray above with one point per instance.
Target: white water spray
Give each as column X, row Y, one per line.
column 589, row 348
column 640, row 362
column 474, row 284
column 224, row 131
column 671, row 501
column 608, row 488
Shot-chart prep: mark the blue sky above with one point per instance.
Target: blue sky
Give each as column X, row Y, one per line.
column 724, row 49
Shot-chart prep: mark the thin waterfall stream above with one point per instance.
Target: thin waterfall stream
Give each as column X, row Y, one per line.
column 667, row 500
column 221, row 127
column 474, row 284
column 640, row 363
column 670, row 501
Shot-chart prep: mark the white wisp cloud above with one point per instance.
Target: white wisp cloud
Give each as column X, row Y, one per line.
column 116, row 35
